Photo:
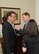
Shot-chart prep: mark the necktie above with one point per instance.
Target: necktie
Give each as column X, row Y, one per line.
column 14, row 28
column 24, row 28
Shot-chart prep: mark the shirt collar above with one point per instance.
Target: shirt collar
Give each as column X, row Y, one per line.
column 26, row 22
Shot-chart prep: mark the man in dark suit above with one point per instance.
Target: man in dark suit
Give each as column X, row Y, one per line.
column 22, row 32
column 9, row 34
column 26, row 18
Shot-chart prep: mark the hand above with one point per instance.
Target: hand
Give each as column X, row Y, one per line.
column 17, row 27
column 24, row 49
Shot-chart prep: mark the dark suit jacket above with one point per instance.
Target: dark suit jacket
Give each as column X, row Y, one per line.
column 9, row 38
column 31, row 43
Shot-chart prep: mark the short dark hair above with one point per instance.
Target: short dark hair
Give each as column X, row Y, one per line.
column 4, row 18
column 10, row 12
column 32, row 28
column 26, row 13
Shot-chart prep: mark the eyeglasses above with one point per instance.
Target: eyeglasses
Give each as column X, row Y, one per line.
column 13, row 16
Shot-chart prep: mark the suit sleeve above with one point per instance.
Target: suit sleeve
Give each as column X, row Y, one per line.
column 20, row 32
column 6, row 39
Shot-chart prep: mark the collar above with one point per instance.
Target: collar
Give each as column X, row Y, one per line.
column 27, row 22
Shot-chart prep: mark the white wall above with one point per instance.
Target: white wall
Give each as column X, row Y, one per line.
column 24, row 5
column 37, row 11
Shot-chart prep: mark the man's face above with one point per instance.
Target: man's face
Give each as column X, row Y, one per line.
column 13, row 18
column 25, row 18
